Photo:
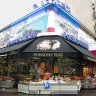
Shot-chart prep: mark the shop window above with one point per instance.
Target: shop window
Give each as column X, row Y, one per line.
column 3, row 65
column 67, row 66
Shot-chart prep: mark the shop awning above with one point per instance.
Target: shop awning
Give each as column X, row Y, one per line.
column 49, row 44
column 14, row 47
column 82, row 50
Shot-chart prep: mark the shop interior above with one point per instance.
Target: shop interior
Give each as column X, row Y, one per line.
column 28, row 68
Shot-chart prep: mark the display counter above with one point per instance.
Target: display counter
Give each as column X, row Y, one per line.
column 6, row 82
column 89, row 84
column 54, row 87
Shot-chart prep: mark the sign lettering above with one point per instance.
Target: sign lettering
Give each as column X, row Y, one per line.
column 58, row 2
column 47, row 54
column 75, row 40
column 22, row 39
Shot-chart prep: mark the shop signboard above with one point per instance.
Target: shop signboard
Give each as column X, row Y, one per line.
column 26, row 30
column 71, row 31
column 58, row 2
column 83, row 36
column 48, row 54
column 64, row 25
column 23, row 31
column 75, row 40
column 22, row 39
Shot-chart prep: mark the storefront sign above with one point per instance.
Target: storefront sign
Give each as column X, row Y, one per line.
column 23, row 30
column 22, row 39
column 58, row 2
column 85, row 37
column 67, row 27
column 47, row 54
column 75, row 40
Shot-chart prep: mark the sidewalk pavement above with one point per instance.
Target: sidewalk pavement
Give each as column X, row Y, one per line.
column 14, row 92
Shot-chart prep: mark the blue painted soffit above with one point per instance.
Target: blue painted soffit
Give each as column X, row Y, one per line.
column 56, row 8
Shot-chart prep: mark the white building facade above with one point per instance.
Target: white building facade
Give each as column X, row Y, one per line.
column 85, row 12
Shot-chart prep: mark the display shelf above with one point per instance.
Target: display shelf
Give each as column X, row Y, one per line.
column 59, row 87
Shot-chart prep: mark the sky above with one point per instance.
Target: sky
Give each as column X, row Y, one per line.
column 12, row 10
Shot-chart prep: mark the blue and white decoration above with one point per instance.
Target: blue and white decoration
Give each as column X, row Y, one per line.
column 75, row 40
column 57, row 2
column 22, row 39
column 25, row 29
column 47, row 84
